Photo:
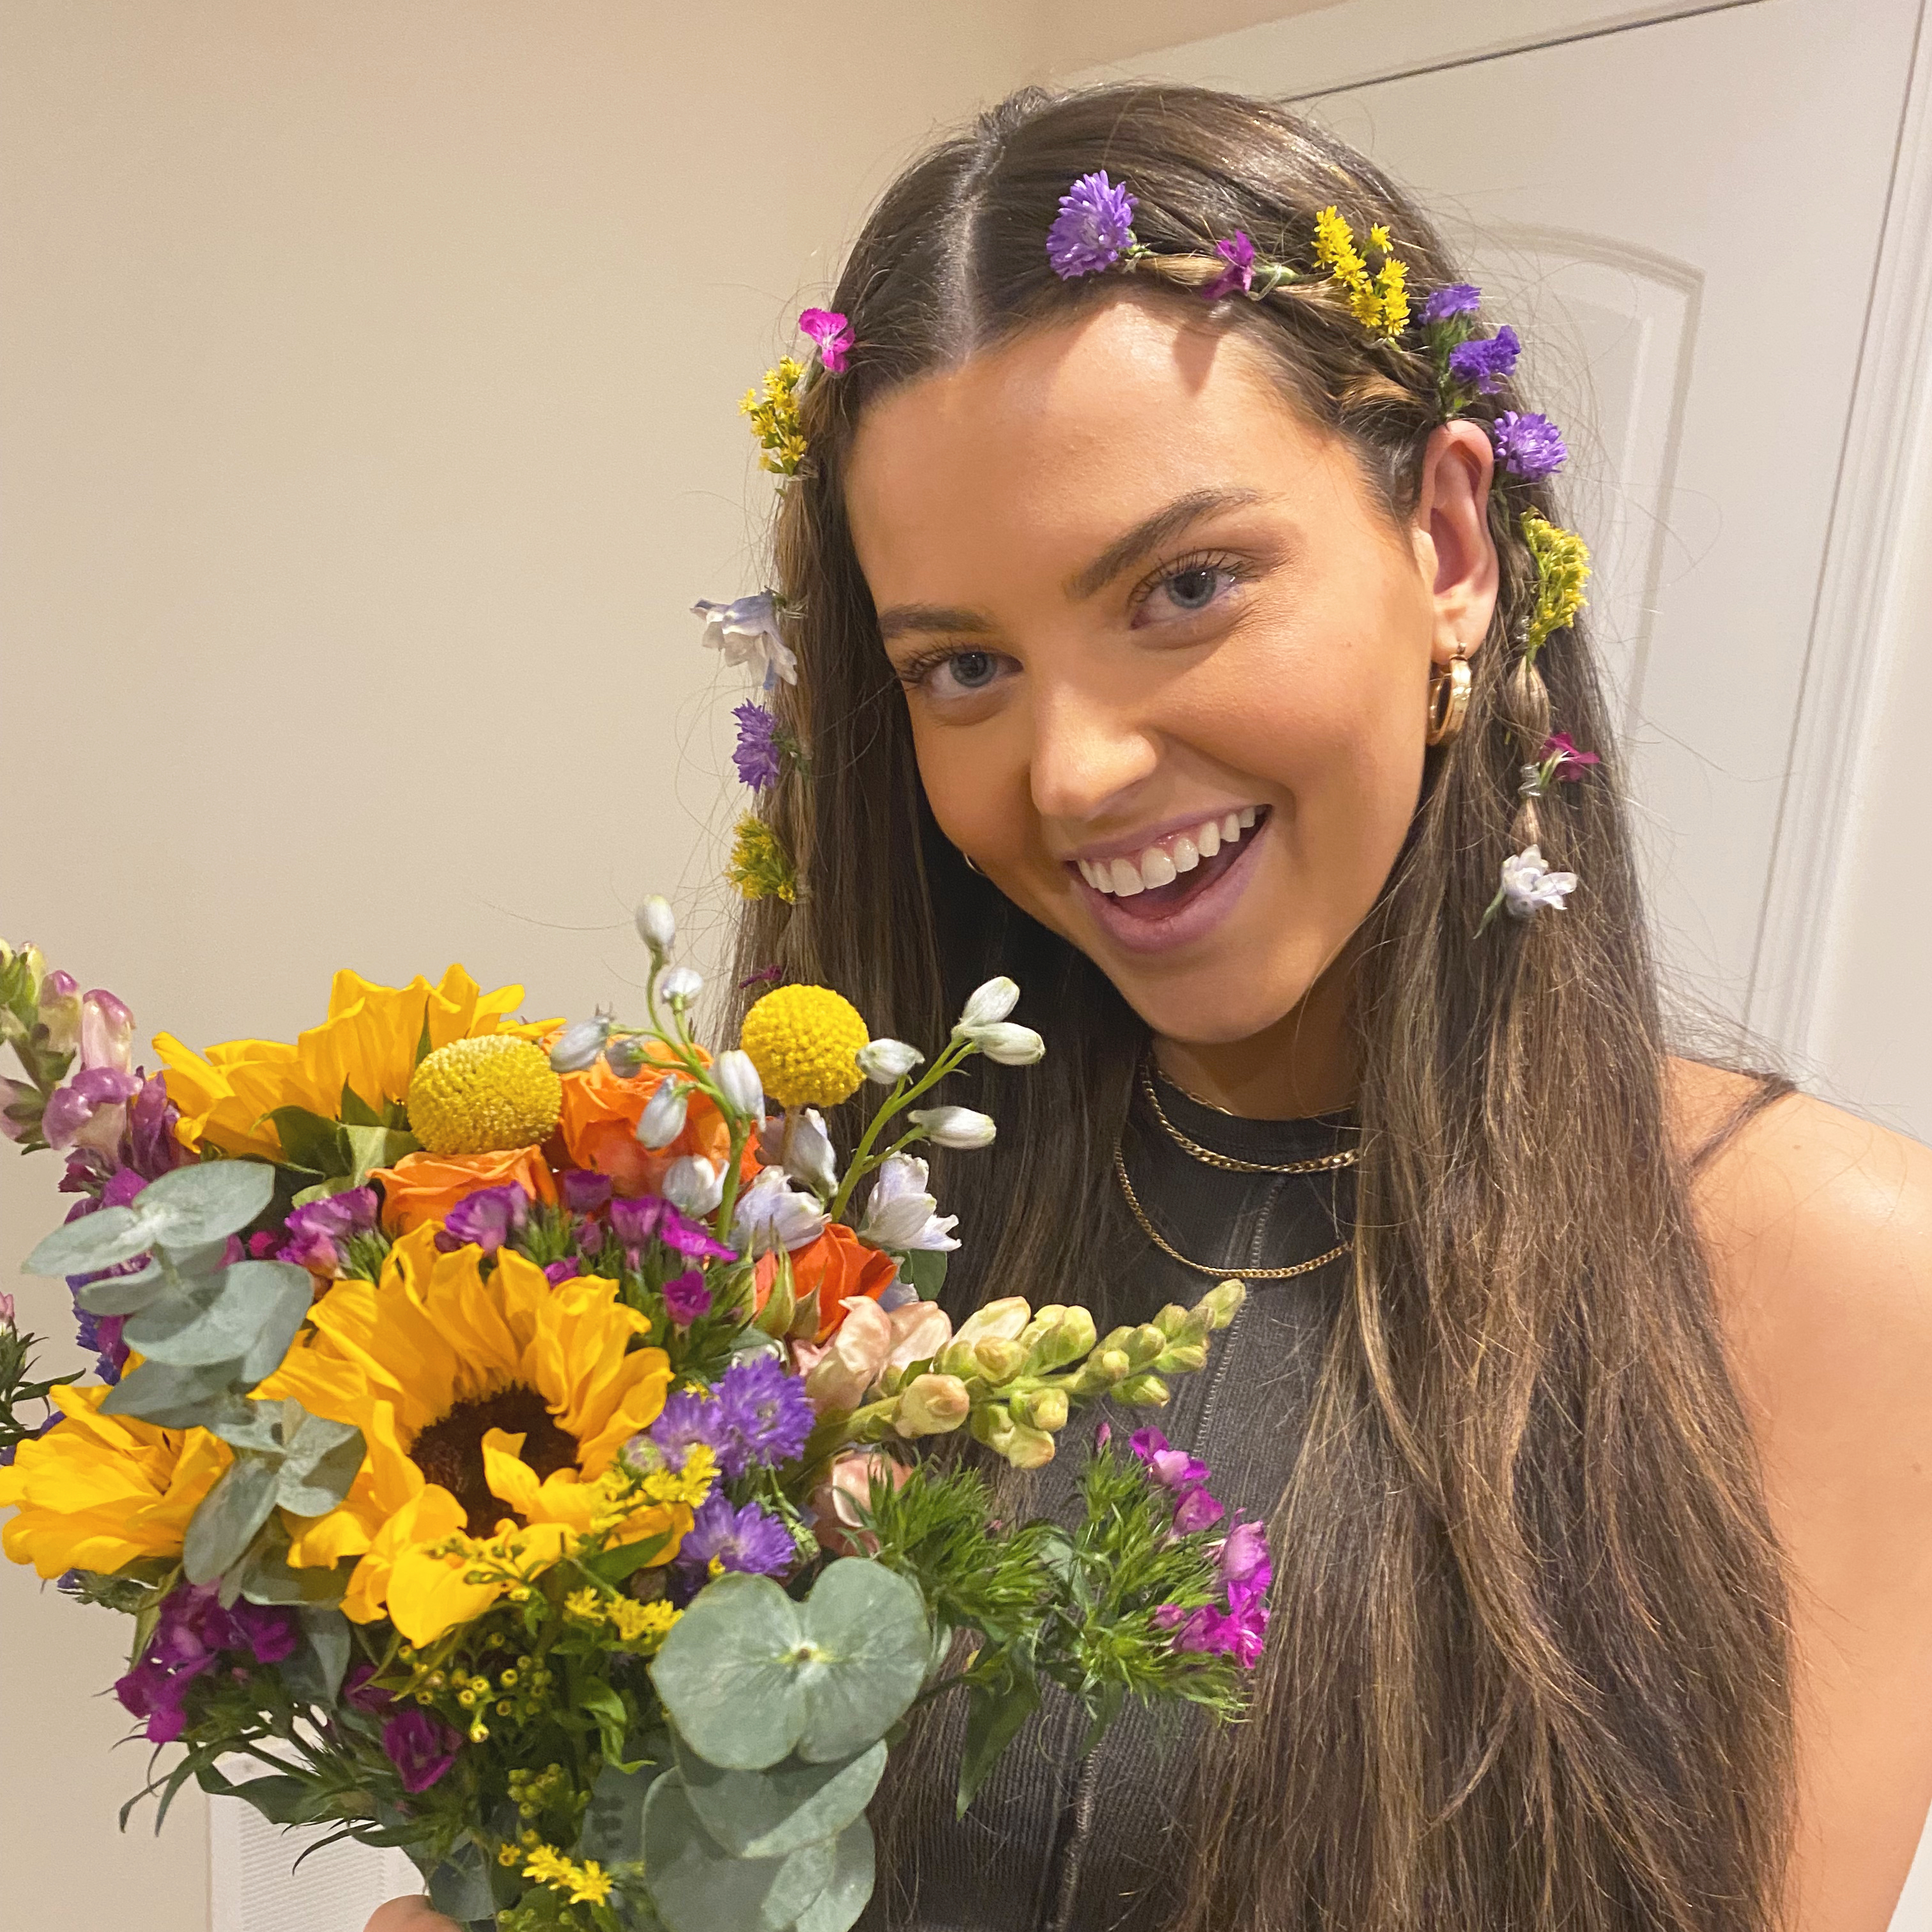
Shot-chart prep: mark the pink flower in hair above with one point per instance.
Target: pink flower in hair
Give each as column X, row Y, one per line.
column 1238, row 276
column 833, row 333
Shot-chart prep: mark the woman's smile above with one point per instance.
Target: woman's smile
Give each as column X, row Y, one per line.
column 1173, row 889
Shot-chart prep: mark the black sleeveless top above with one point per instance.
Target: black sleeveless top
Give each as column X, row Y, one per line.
column 1053, row 1842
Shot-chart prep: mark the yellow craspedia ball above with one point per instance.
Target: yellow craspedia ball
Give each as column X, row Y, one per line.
column 805, row 1041
column 483, row 1096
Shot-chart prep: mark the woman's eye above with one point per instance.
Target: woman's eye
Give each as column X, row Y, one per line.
column 971, row 669
column 1186, row 592
column 947, row 674
column 1193, row 588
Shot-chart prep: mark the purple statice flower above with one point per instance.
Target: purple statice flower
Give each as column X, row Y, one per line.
column 192, row 1636
column 1094, row 228
column 686, row 1297
column 485, row 1219
column 1238, row 276
column 750, row 1540
column 421, row 1746
column 1528, row 446
column 1458, row 298
column 767, row 1412
column 652, row 1217
column 568, row 1269
column 757, row 753
column 1485, row 362
column 833, row 334
column 583, row 1191
column 316, row 1233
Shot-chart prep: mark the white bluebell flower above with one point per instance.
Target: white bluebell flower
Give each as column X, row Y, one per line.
column 1528, row 887
column 579, row 1043
column 655, row 926
column 773, row 1214
column 887, row 1061
column 954, row 1127
column 663, row 1118
column 989, row 1003
column 901, row 1215
column 746, row 630
column 738, row 1081
column 694, row 1185
column 1011, row 1045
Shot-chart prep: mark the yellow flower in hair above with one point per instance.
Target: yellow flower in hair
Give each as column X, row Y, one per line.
column 1562, row 560
column 774, row 417
column 1378, row 301
column 805, row 1042
column 760, row 866
column 1335, row 250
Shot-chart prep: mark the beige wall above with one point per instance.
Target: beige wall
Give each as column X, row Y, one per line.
column 368, row 375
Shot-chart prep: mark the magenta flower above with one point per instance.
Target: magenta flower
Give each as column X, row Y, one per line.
column 1195, row 1509
column 1245, row 1552
column 485, row 1219
column 1094, row 228
column 653, row 1217
column 421, row 1746
column 1238, row 276
column 193, row 1633
column 583, row 1191
column 90, row 1110
column 566, row 1270
column 1571, row 763
column 833, row 333
column 316, row 1233
column 686, row 1297
column 359, row 1694
column 107, row 1032
column 765, row 976
column 1528, row 446
column 1172, row 1468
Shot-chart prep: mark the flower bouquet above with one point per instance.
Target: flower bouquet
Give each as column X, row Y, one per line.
column 504, row 1439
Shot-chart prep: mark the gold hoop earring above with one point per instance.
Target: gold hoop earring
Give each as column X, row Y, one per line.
column 970, row 866
column 1448, row 699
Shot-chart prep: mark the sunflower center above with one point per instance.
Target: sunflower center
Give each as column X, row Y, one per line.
column 450, row 1450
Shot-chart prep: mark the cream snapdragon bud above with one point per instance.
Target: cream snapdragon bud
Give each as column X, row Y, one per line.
column 1044, row 1408
column 1222, row 1302
column 663, row 1118
column 693, row 1185
column 886, row 1060
column 989, row 1003
column 738, row 1081
column 1011, row 1045
column 1007, row 1318
column 655, row 926
column 58, row 1010
column 682, row 983
column 959, row 1127
column 931, row 1405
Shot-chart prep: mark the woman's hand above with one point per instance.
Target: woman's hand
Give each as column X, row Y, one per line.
column 409, row 1915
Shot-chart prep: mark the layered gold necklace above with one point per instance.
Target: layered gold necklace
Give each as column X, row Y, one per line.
column 1322, row 1164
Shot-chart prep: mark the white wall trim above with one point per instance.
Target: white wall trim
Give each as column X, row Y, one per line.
column 1369, row 40
column 1860, row 611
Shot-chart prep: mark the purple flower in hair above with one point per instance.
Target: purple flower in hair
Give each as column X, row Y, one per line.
column 1528, row 446
column 1484, row 363
column 1094, row 228
column 486, row 1219
column 751, row 1540
column 1238, row 276
column 756, row 753
column 686, row 1297
column 833, row 333
column 1458, row 298
column 421, row 1746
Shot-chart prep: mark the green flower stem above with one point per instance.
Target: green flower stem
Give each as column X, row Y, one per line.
column 721, row 1221
column 957, row 1052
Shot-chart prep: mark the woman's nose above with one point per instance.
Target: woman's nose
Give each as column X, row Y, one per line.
column 1088, row 755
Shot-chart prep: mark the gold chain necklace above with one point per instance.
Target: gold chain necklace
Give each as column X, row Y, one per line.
column 1174, row 1254
column 1323, row 1164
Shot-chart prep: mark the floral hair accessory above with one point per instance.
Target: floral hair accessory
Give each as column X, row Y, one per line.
column 746, row 630
column 1528, row 446
column 1529, row 887
column 1094, row 228
column 1379, row 301
column 833, row 333
column 774, row 416
column 1559, row 760
column 1562, row 561
column 760, row 868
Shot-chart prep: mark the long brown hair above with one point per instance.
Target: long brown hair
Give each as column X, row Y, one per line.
column 1529, row 1666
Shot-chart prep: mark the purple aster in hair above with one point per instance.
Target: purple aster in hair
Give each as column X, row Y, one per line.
column 1238, row 276
column 1528, row 445
column 833, row 333
column 1458, row 298
column 1485, row 361
column 767, row 1412
column 756, row 753
column 686, row 1297
column 750, row 1540
column 1094, row 228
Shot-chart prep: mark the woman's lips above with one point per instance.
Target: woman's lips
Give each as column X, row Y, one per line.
column 1158, row 918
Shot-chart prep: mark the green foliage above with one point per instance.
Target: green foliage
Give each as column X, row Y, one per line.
column 19, row 1390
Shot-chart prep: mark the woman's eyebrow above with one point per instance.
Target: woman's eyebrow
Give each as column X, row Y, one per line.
column 899, row 619
column 1148, row 535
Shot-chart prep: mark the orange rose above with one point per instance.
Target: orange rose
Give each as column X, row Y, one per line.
column 839, row 1264
column 599, row 1125
column 425, row 1186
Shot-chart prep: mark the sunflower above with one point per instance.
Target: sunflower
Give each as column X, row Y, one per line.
column 493, row 1408
column 366, row 1048
column 97, row 1492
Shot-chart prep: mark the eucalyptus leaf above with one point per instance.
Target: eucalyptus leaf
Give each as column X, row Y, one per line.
column 122, row 1294
column 696, row 1887
column 613, row 1825
column 266, row 1577
column 310, row 1440
column 174, row 1398
column 460, row 1887
column 326, row 1482
column 728, row 1675
column 101, row 1239
column 764, row 1814
column 258, row 1426
column 206, row 1203
column 837, row 1908
column 868, row 1626
column 225, row 1316
column 225, row 1523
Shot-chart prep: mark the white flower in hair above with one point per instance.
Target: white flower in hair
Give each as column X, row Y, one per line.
column 746, row 630
column 1529, row 886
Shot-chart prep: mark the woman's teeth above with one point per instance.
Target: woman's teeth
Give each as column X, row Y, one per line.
column 1161, row 864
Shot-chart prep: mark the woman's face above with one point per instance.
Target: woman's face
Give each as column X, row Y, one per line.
column 1166, row 658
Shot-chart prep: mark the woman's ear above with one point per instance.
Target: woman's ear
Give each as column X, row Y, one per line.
column 1452, row 536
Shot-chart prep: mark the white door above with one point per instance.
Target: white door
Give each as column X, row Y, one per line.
column 1683, row 217
column 1709, row 225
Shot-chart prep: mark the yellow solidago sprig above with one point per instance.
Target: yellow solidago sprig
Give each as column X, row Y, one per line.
column 760, row 866
column 585, row 1884
column 1562, row 560
column 641, row 1627
column 772, row 408
column 1378, row 297
column 805, row 1041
